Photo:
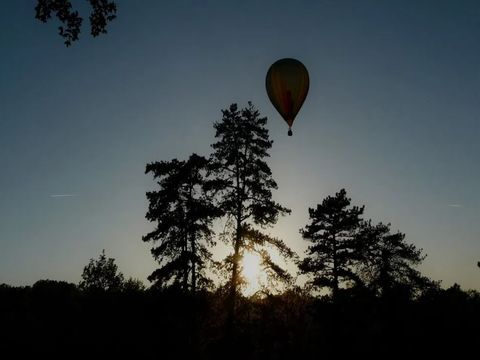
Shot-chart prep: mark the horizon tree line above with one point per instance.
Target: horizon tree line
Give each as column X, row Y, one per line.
column 234, row 185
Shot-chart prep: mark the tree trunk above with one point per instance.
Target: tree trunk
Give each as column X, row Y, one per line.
column 185, row 265
column 194, row 270
column 234, row 280
column 192, row 245
column 335, row 271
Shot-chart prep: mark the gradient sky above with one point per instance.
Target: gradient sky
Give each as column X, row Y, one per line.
column 392, row 116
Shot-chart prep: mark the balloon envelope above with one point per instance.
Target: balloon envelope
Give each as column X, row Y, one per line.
column 287, row 85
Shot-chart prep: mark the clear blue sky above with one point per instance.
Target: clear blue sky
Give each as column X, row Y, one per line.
column 392, row 116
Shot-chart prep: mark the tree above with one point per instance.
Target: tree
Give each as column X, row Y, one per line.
column 388, row 261
column 334, row 252
column 183, row 214
column 103, row 11
column 101, row 274
column 243, row 183
column 133, row 285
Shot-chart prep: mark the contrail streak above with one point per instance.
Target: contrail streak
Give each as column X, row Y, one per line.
column 455, row 205
column 63, row 195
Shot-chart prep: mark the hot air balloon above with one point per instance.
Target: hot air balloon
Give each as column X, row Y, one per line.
column 287, row 85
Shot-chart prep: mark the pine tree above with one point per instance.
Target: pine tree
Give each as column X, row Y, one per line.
column 243, row 182
column 183, row 214
column 389, row 261
column 334, row 252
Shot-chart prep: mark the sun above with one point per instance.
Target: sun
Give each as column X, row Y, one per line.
column 252, row 272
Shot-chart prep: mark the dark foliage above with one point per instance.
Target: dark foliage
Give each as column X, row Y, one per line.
column 183, row 213
column 103, row 11
column 101, row 274
column 388, row 262
column 334, row 253
column 243, row 183
column 57, row 318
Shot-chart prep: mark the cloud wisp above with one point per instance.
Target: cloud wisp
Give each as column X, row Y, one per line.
column 63, row 195
column 455, row 205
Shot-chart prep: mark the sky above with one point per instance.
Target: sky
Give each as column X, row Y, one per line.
column 392, row 116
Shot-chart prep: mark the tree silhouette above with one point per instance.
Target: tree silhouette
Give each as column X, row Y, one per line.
column 388, row 260
column 132, row 284
column 243, row 182
column 183, row 214
column 334, row 253
column 101, row 274
column 103, row 11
